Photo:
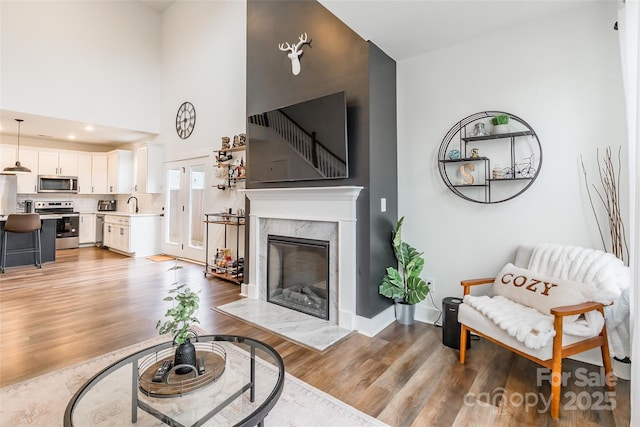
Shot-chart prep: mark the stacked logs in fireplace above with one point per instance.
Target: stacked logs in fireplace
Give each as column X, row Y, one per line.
column 302, row 298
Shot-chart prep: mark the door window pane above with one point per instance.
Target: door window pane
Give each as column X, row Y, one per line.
column 173, row 202
column 197, row 182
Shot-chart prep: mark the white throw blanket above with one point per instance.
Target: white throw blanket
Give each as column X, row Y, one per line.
column 602, row 270
column 528, row 325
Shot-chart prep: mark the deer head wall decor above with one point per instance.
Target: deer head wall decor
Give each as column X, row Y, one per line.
column 294, row 52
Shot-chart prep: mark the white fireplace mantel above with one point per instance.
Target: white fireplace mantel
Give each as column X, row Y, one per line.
column 327, row 204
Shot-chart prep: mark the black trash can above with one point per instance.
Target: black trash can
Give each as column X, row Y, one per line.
column 450, row 324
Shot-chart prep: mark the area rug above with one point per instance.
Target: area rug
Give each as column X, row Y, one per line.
column 42, row 400
column 160, row 258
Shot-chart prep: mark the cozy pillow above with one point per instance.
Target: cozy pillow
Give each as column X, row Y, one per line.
column 539, row 291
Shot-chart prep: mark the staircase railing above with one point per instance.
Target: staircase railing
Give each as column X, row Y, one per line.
column 305, row 144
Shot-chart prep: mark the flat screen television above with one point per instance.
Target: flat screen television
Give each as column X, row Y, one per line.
column 299, row 142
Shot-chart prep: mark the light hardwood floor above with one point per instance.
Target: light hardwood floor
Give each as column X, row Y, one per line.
column 92, row 301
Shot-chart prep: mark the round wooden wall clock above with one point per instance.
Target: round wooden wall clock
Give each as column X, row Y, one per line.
column 185, row 120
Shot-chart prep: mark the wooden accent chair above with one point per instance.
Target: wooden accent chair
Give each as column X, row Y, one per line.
column 550, row 355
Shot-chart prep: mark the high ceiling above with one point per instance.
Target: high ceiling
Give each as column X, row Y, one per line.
column 406, row 28
column 54, row 129
column 401, row 28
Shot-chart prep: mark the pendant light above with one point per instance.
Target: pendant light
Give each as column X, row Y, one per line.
column 18, row 168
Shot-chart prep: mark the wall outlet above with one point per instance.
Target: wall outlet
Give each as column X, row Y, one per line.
column 431, row 283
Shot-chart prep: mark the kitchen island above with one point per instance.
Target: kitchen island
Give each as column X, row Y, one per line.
column 25, row 241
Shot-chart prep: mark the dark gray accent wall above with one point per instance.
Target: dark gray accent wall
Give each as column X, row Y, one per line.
column 383, row 176
column 336, row 60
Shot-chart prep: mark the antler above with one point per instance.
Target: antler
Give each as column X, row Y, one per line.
column 303, row 40
column 294, row 49
column 283, row 48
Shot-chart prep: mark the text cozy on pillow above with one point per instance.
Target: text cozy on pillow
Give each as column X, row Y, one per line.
column 541, row 292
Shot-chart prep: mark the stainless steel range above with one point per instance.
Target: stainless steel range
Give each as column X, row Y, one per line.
column 67, row 225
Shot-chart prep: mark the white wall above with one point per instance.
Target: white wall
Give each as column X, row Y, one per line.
column 204, row 62
column 561, row 75
column 91, row 61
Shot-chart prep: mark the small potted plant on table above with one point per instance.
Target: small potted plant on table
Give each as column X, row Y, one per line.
column 180, row 318
column 404, row 285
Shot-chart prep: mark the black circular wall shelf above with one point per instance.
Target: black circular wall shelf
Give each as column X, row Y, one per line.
column 486, row 162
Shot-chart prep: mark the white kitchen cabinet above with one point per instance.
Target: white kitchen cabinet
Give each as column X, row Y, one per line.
column 56, row 163
column 133, row 235
column 87, row 229
column 84, row 175
column 27, row 182
column 7, row 156
column 119, row 172
column 92, row 173
column 99, row 172
column 149, row 169
column 116, row 233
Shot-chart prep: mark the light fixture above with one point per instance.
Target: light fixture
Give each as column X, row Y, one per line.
column 18, row 168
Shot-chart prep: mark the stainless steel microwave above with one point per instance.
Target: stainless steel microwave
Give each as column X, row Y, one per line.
column 57, row 184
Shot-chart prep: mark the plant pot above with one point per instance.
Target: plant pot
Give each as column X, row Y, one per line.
column 185, row 355
column 405, row 313
column 498, row 129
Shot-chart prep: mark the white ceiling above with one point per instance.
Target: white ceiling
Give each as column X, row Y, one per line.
column 406, row 28
column 54, row 129
column 401, row 28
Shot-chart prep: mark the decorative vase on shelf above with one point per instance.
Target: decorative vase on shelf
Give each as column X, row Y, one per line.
column 497, row 172
column 499, row 129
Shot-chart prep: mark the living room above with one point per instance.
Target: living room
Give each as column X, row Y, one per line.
column 564, row 65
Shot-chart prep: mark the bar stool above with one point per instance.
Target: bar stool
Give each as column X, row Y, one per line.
column 22, row 223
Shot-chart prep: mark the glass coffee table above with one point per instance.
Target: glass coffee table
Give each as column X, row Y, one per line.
column 240, row 382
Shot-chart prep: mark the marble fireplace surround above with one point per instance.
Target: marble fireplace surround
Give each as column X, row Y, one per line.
column 322, row 213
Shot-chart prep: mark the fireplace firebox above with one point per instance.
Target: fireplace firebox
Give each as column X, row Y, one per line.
column 298, row 274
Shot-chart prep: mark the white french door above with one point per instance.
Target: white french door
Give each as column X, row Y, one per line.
column 184, row 232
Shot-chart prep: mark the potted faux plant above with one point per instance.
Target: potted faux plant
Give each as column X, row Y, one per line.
column 500, row 123
column 404, row 285
column 180, row 318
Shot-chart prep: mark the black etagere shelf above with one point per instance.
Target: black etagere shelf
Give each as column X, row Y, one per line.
column 235, row 272
column 521, row 150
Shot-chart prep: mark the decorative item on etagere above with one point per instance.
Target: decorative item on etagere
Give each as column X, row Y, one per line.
column 500, row 123
column 479, row 130
column 467, row 178
column 226, row 143
column 496, row 173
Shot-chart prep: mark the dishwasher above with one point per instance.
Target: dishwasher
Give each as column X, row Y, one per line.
column 100, row 230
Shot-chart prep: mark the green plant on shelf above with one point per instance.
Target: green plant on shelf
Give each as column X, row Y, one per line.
column 500, row 119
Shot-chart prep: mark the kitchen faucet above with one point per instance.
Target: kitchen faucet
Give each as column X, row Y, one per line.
column 133, row 197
